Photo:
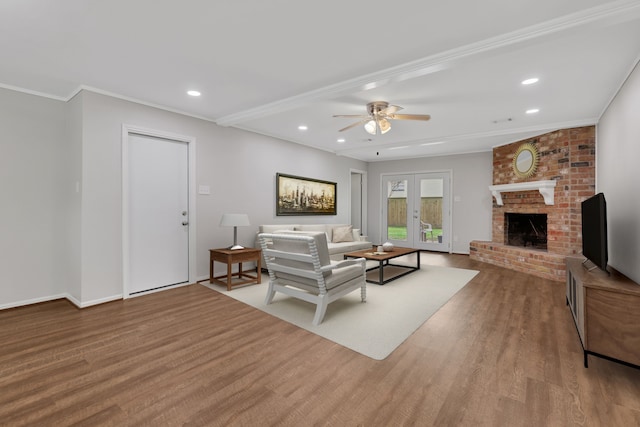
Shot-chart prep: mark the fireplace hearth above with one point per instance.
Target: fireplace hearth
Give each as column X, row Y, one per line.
column 526, row 230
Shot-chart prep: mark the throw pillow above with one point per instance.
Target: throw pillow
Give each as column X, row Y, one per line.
column 342, row 234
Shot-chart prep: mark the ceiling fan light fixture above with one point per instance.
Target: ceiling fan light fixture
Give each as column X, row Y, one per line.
column 371, row 127
column 385, row 126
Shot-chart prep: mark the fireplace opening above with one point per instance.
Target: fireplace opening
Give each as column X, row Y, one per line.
column 526, row 230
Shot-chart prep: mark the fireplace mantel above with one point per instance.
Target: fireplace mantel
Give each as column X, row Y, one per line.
column 546, row 188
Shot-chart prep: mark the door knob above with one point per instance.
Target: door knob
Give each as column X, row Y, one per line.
column 184, row 213
column 185, row 222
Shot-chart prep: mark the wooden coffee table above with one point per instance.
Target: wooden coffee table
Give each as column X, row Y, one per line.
column 383, row 261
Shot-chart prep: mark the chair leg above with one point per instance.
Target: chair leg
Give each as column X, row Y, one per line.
column 270, row 294
column 321, row 309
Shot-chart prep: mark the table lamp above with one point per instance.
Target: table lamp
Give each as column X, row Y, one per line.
column 235, row 221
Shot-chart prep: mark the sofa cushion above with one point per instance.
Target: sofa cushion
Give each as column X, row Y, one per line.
column 342, row 234
column 272, row 228
column 314, row 227
column 343, row 247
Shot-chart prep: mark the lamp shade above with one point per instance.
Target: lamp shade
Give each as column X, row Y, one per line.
column 234, row 220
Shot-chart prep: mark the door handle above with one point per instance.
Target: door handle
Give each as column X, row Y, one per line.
column 185, row 222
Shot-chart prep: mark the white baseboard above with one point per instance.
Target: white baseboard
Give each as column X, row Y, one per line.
column 32, row 301
column 85, row 304
column 73, row 300
column 460, row 252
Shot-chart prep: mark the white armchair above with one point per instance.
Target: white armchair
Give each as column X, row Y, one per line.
column 299, row 266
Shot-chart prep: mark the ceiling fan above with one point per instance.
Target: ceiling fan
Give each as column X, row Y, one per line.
column 380, row 112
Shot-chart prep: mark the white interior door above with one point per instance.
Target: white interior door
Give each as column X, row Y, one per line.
column 158, row 213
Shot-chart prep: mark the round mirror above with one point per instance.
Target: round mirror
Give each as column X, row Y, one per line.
column 525, row 160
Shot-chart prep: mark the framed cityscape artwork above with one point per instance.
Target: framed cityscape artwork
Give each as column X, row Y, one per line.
column 296, row 195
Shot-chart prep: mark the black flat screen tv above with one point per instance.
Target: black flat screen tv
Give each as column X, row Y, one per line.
column 594, row 231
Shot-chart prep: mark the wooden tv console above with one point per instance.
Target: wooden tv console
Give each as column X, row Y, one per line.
column 606, row 310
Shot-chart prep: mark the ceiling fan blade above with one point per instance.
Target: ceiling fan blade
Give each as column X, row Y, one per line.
column 361, row 116
column 361, row 122
column 390, row 110
column 424, row 117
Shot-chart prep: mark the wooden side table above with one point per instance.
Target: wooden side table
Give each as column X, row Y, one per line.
column 236, row 256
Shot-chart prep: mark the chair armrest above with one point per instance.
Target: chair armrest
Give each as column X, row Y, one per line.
column 345, row 263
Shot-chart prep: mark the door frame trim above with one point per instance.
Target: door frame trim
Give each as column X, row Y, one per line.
column 363, row 195
column 127, row 130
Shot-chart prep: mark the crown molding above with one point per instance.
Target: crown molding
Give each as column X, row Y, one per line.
column 33, row 92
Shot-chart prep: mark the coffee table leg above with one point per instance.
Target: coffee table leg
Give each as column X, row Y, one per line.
column 381, row 275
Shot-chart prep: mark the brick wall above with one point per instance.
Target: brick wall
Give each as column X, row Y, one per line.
column 566, row 156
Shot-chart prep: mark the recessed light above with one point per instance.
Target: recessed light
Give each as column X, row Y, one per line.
column 530, row 81
column 302, row 127
column 341, row 141
column 193, row 93
column 533, row 111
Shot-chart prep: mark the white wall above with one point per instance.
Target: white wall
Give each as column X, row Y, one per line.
column 617, row 154
column 471, row 175
column 35, row 191
column 61, row 179
column 238, row 166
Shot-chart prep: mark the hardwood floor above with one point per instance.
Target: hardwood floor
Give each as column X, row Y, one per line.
column 502, row 352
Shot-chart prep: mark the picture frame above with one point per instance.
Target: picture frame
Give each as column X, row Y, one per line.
column 296, row 195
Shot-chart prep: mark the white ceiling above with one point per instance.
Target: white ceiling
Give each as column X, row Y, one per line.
column 270, row 66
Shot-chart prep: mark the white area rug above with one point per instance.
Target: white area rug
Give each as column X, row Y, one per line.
column 376, row 328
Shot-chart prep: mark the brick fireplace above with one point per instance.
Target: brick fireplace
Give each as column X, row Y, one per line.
column 567, row 157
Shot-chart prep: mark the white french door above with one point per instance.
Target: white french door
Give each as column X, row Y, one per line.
column 416, row 210
column 156, row 214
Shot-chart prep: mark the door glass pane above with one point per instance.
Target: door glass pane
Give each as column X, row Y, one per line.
column 397, row 209
column 431, row 196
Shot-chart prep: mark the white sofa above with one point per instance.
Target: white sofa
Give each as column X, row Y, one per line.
column 339, row 241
